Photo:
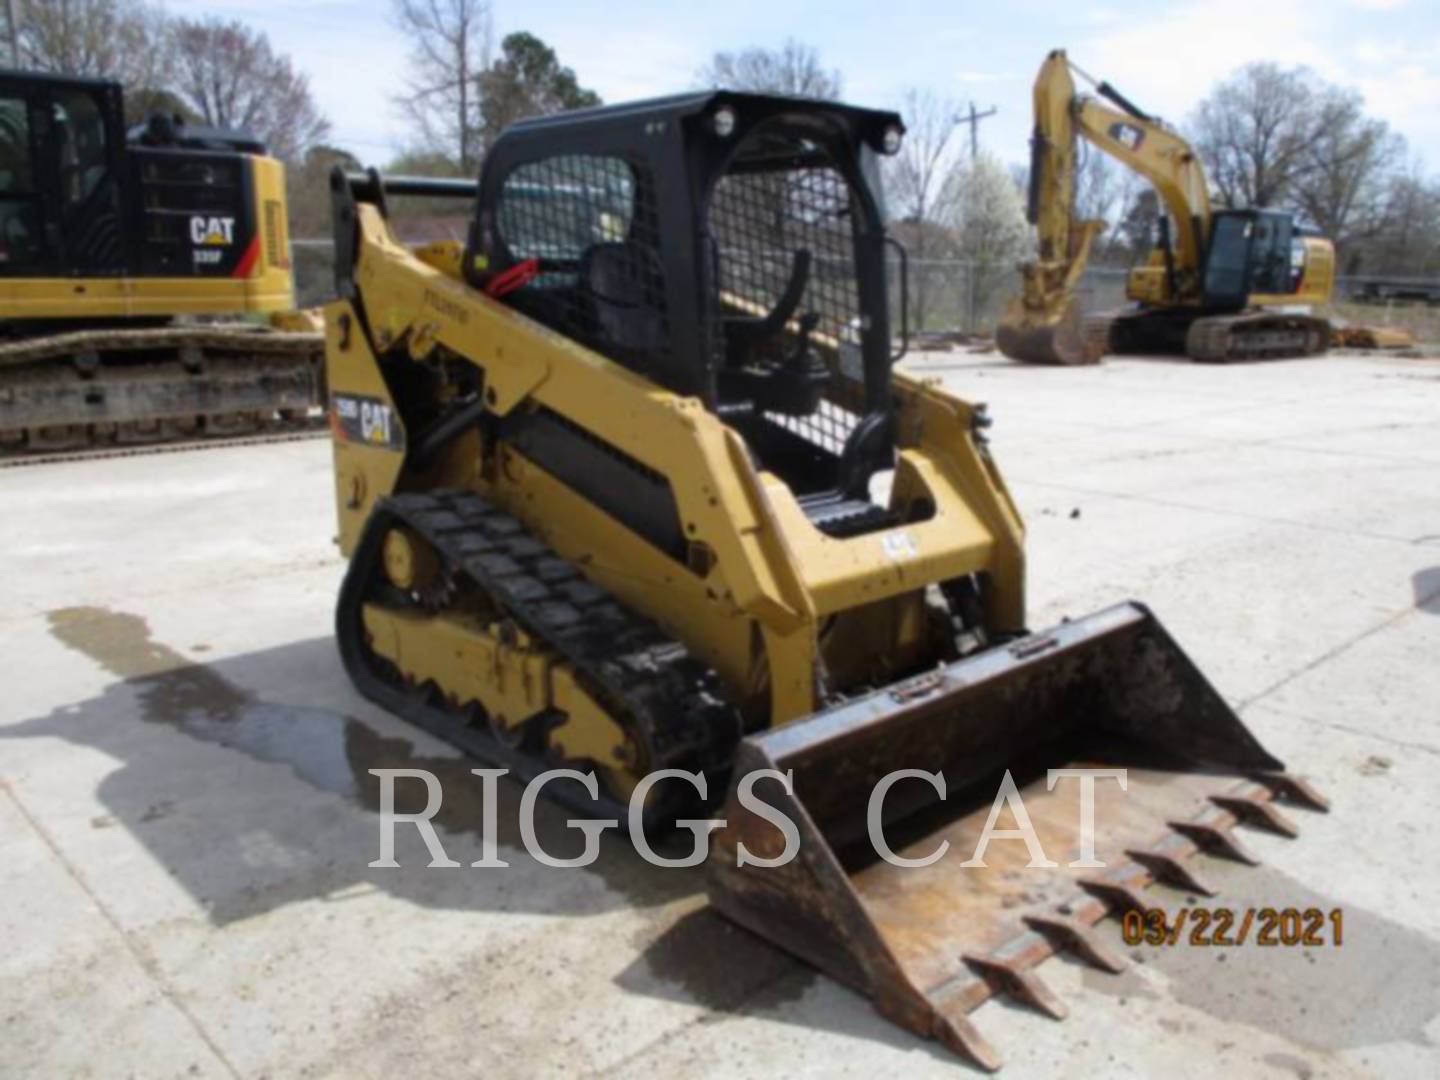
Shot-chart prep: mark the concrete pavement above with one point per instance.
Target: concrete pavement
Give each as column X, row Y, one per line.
column 186, row 813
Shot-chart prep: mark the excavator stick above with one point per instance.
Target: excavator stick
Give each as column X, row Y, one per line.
column 1058, row 338
column 931, row 943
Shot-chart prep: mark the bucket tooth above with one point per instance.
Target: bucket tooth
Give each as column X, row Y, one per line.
column 1295, row 789
column 1171, row 869
column 1022, row 984
column 1216, row 839
column 1261, row 813
column 1079, row 938
column 955, row 1030
column 1120, row 896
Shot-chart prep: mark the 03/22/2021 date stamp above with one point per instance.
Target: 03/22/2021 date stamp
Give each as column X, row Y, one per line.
column 1229, row 927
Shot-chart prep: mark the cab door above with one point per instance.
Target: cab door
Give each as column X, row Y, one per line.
column 1227, row 262
column 86, row 141
column 29, row 237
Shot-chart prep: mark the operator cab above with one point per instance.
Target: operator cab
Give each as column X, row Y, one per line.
column 728, row 246
column 1250, row 252
column 79, row 197
column 60, row 141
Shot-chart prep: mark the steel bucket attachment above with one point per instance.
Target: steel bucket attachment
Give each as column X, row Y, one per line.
column 1064, row 339
column 930, row 944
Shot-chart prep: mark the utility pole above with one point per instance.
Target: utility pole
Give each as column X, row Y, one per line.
column 974, row 121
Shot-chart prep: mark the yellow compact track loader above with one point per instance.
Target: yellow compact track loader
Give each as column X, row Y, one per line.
column 628, row 482
column 127, row 261
column 1222, row 284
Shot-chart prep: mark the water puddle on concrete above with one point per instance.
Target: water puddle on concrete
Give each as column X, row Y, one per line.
column 335, row 752
column 202, row 703
column 1382, row 985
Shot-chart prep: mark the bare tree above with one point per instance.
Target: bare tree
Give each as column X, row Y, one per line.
column 1096, row 185
column 1342, row 187
column 127, row 40
column 451, row 42
column 918, row 177
column 230, row 77
column 1256, row 131
column 307, row 182
column 1139, row 223
column 1407, row 239
column 793, row 69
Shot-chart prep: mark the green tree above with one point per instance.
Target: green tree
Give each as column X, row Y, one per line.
column 527, row 79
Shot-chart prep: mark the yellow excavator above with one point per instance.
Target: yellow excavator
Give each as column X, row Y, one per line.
column 1221, row 284
column 130, row 262
column 629, row 485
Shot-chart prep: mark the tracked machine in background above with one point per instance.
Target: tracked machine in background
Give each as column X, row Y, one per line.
column 1221, row 285
column 128, row 262
column 628, row 482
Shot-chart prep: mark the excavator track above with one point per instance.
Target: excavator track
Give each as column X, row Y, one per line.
column 668, row 702
column 1256, row 335
column 121, row 386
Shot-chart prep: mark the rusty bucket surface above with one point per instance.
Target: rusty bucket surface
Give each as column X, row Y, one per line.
column 1024, row 336
column 929, row 945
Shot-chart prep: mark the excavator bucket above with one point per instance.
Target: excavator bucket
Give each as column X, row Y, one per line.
column 1062, row 339
column 929, row 944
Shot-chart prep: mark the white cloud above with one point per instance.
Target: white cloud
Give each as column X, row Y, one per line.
column 1168, row 62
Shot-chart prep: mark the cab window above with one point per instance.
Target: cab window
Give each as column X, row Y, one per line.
column 16, row 174
column 19, row 205
column 80, row 130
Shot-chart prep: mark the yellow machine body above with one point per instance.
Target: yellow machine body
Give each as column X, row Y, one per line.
column 760, row 571
column 515, row 588
column 262, row 284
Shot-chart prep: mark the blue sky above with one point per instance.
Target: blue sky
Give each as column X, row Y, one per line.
column 1164, row 56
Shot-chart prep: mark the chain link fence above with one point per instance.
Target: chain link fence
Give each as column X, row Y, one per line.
column 958, row 295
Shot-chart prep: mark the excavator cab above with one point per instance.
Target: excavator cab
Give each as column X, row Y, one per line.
column 1249, row 252
column 80, row 196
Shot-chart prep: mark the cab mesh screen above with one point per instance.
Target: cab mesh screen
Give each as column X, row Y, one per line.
column 761, row 215
column 591, row 222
